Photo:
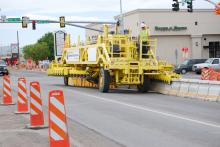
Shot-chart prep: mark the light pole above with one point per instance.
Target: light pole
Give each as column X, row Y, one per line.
column 18, row 47
column 122, row 18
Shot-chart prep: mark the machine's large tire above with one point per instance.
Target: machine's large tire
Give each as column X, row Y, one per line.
column 66, row 81
column 145, row 86
column 104, row 80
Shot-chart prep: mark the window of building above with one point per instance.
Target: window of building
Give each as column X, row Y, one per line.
column 214, row 49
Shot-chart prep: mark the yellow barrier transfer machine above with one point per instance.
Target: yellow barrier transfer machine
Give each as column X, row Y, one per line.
column 113, row 60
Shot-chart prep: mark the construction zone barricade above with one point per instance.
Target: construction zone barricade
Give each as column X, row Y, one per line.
column 58, row 134
column 184, row 88
column 193, row 88
column 214, row 75
column 214, row 91
column 203, row 89
column 175, row 87
column 210, row 74
column 7, row 93
column 205, row 74
column 36, row 111
column 22, row 99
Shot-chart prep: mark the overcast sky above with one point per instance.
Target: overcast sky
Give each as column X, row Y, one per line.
column 89, row 10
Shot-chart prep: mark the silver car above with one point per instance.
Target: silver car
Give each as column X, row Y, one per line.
column 210, row 63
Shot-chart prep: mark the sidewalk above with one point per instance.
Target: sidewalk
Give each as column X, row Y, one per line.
column 13, row 132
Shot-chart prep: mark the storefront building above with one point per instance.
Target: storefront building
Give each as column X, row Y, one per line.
column 180, row 35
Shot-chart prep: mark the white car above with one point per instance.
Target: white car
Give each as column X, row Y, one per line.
column 210, row 63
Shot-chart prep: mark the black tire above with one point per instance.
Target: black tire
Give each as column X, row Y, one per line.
column 183, row 71
column 145, row 86
column 104, row 80
column 66, row 82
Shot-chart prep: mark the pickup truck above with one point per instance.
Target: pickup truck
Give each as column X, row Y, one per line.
column 210, row 63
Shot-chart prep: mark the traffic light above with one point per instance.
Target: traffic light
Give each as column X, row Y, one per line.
column 24, row 22
column 175, row 5
column 190, row 5
column 62, row 22
column 33, row 25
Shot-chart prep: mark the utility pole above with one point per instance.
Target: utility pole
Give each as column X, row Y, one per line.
column 18, row 46
column 122, row 18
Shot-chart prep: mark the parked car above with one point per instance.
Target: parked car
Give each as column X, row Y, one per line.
column 187, row 65
column 210, row 63
column 3, row 68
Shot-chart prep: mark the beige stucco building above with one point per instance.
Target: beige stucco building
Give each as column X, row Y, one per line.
column 198, row 31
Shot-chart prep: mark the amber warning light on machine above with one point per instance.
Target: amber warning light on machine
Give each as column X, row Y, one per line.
column 217, row 9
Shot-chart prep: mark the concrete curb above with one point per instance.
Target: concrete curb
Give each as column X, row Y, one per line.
column 191, row 88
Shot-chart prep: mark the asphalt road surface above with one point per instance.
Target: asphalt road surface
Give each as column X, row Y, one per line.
column 125, row 118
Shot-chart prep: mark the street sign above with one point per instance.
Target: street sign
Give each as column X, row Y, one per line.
column 59, row 43
column 13, row 19
column 14, row 47
column 42, row 21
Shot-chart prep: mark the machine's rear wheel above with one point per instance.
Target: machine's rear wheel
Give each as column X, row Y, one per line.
column 104, row 80
column 145, row 86
column 66, row 82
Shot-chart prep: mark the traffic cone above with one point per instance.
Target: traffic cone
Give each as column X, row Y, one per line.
column 36, row 111
column 7, row 94
column 22, row 104
column 58, row 134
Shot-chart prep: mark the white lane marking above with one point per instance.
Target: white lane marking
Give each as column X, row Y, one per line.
column 35, row 92
column 58, row 105
column 54, row 135
column 36, row 104
column 153, row 111
column 58, row 121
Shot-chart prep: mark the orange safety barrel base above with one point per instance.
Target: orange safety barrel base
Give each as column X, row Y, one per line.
column 61, row 143
column 7, row 104
column 28, row 126
column 7, row 101
column 18, row 112
column 36, row 122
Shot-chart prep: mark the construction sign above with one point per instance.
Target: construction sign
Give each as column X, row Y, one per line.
column 185, row 52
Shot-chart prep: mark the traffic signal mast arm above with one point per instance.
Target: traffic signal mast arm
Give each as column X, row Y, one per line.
column 70, row 23
column 211, row 2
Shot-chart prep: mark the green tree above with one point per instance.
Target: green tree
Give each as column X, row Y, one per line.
column 43, row 49
column 40, row 52
column 28, row 51
column 48, row 38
